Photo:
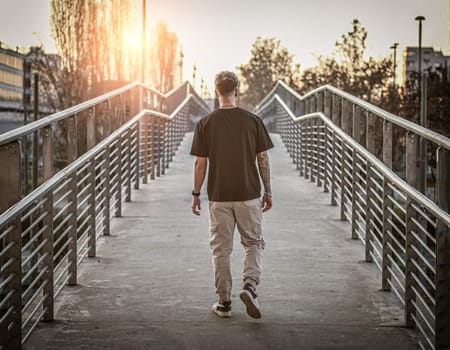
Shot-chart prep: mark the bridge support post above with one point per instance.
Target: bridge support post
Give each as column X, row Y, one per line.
column 301, row 145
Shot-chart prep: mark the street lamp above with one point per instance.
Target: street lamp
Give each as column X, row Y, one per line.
column 144, row 27
column 419, row 88
column 421, row 176
column 394, row 47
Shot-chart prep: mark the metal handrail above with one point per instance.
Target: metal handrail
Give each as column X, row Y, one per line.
column 68, row 112
column 46, row 234
column 393, row 177
column 404, row 233
column 428, row 134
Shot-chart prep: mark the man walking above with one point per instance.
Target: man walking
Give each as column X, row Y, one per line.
column 232, row 140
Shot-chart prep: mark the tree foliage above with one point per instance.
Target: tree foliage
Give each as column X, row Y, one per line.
column 348, row 69
column 91, row 38
column 269, row 62
column 164, row 51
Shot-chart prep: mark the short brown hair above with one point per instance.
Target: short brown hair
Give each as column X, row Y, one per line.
column 226, row 82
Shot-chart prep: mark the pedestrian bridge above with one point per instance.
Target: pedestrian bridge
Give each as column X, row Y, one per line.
column 99, row 248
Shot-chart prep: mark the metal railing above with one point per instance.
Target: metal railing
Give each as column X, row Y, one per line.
column 45, row 235
column 404, row 233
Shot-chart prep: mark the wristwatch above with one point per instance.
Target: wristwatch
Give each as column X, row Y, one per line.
column 195, row 193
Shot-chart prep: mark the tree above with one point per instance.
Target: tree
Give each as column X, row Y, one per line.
column 269, row 62
column 91, row 38
column 347, row 69
column 164, row 51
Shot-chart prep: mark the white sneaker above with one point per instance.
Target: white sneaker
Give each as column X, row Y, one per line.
column 248, row 297
column 222, row 310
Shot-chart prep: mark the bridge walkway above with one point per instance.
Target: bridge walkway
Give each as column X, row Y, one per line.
column 151, row 284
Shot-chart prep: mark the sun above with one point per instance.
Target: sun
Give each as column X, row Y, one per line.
column 132, row 39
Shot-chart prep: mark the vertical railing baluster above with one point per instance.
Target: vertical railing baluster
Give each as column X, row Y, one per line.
column 137, row 153
column 370, row 146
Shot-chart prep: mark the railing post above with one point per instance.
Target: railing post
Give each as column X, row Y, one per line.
column 47, row 153
column 72, row 154
column 302, row 155
column 333, row 169
column 72, row 234
column 368, row 210
column 442, row 297
column 307, row 152
column 156, row 145
column 151, row 139
column 328, row 99
column 411, row 178
column 356, row 134
column 48, row 261
column 128, row 160
column 10, row 176
column 313, row 149
column 91, row 212
column 90, row 129
column 387, row 216
column 118, row 208
column 13, row 322
column 107, row 184
column 137, row 154
column 386, row 239
column 443, row 178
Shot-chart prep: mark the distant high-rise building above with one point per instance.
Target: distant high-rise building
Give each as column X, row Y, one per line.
column 431, row 59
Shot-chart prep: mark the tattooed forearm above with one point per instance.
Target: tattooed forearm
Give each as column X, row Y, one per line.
column 264, row 170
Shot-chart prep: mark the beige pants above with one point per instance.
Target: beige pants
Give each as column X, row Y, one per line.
column 225, row 216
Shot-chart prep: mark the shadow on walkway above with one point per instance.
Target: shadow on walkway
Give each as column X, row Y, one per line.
column 151, row 285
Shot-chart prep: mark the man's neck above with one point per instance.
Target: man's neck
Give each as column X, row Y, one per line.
column 229, row 102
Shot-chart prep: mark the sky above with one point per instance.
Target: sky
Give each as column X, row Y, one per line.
column 218, row 34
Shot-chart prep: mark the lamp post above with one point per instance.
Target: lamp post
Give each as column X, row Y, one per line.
column 144, row 29
column 421, row 178
column 419, row 87
column 394, row 47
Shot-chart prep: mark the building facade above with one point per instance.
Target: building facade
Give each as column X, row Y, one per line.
column 11, row 88
column 431, row 59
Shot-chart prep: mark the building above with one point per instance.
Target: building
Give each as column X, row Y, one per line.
column 430, row 60
column 11, row 89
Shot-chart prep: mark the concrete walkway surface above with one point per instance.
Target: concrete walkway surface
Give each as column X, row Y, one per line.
column 151, row 284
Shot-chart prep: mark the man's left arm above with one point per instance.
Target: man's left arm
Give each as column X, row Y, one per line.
column 264, row 172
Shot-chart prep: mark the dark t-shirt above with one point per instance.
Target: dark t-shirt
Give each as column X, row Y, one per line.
column 231, row 138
